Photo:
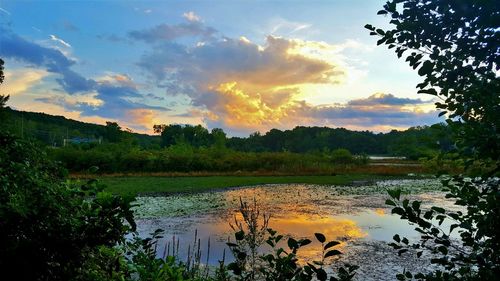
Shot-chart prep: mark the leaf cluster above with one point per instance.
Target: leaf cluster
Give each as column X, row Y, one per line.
column 51, row 228
column 281, row 262
column 468, row 249
column 454, row 46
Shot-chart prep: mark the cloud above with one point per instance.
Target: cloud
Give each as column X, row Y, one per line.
column 112, row 38
column 385, row 99
column 19, row 81
column 234, row 110
column 277, row 63
column 53, row 60
column 166, row 32
column 59, row 40
column 117, row 93
column 69, row 26
column 151, row 96
column 242, row 86
column 113, row 96
column 5, row 11
column 191, row 16
column 145, row 11
column 74, row 102
column 141, row 118
column 285, row 27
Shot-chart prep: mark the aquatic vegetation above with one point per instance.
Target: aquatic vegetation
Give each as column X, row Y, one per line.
column 354, row 215
column 268, row 195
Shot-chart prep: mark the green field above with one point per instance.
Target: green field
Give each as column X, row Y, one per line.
column 157, row 184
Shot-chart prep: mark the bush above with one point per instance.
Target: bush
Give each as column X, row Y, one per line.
column 51, row 229
column 341, row 156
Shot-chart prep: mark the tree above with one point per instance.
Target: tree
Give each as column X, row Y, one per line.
column 51, row 229
column 170, row 134
column 454, row 45
column 218, row 137
column 3, row 99
column 2, row 77
column 113, row 132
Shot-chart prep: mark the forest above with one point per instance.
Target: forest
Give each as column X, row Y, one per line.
column 187, row 148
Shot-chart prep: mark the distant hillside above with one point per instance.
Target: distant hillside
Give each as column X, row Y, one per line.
column 52, row 130
column 422, row 141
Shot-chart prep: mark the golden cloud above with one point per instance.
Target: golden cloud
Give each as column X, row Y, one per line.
column 142, row 116
column 18, row 81
column 232, row 106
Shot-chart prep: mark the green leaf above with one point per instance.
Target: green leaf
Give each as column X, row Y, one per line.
column 427, row 91
column 396, row 238
column 292, row 243
column 402, row 251
column 332, row 253
column 426, row 68
column 382, row 12
column 331, row 244
column 234, row 268
column 380, row 41
column 390, row 202
column 240, row 235
column 398, row 210
column 321, row 274
column 438, row 209
column 304, row 242
column 241, row 255
column 415, row 205
column 394, row 193
column 443, row 250
column 369, row 27
column 321, row 238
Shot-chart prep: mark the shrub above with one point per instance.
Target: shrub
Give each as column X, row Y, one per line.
column 51, row 229
column 341, row 156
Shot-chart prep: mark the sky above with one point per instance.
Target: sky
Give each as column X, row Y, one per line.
column 243, row 66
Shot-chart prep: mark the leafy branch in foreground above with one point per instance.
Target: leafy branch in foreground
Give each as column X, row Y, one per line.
column 50, row 229
column 469, row 248
column 280, row 263
column 454, row 45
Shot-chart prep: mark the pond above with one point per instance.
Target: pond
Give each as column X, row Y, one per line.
column 355, row 215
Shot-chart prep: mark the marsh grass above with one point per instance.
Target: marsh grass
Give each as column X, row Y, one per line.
column 251, row 260
column 160, row 185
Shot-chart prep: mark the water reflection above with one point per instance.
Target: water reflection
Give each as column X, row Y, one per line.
column 347, row 229
column 296, row 226
column 361, row 222
column 380, row 212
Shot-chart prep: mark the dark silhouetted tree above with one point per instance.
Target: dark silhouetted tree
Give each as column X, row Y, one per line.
column 113, row 132
column 454, row 44
column 455, row 47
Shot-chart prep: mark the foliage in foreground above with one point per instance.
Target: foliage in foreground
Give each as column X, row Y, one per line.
column 280, row 263
column 49, row 226
column 454, row 45
column 60, row 231
column 469, row 249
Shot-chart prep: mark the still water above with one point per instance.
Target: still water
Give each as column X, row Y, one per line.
column 356, row 216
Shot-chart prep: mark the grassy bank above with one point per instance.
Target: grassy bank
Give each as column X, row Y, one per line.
column 157, row 184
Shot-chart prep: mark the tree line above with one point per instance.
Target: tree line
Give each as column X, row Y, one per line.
column 413, row 143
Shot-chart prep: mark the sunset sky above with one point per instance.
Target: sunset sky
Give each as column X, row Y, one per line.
column 243, row 66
